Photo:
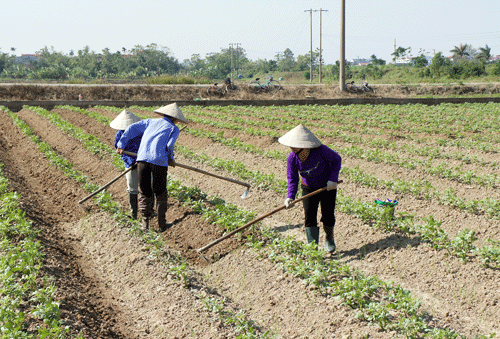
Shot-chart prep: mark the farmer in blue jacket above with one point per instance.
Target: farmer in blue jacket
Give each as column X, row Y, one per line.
column 121, row 122
column 155, row 154
column 314, row 165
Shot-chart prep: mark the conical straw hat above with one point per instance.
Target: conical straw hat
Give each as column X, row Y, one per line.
column 124, row 119
column 300, row 137
column 172, row 111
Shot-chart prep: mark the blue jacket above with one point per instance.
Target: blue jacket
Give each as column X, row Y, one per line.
column 132, row 146
column 157, row 143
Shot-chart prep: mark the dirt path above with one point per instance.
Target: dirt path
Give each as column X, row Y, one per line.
column 190, row 92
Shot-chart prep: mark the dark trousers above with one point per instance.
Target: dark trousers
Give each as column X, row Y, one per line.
column 148, row 189
column 327, row 199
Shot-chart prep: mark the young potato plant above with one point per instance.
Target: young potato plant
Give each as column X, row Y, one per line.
column 24, row 290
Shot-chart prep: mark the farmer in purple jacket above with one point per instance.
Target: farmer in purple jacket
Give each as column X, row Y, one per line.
column 155, row 155
column 318, row 166
column 121, row 122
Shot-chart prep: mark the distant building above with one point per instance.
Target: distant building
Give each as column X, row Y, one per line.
column 360, row 62
column 26, row 58
column 403, row 61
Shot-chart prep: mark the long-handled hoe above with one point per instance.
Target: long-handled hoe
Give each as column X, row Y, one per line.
column 230, row 234
column 243, row 196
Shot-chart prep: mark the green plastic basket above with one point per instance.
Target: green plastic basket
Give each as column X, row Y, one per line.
column 387, row 206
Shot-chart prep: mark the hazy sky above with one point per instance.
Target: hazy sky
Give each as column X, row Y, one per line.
column 261, row 27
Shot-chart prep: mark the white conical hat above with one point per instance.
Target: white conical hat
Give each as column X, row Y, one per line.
column 124, row 119
column 300, row 137
column 172, row 111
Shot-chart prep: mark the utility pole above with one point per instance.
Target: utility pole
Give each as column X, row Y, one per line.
column 342, row 46
column 231, row 46
column 320, row 49
column 311, row 68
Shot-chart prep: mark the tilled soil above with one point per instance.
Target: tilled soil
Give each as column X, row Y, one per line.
column 111, row 286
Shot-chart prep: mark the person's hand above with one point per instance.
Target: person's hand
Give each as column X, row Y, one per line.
column 171, row 163
column 331, row 185
column 119, row 150
column 289, row 202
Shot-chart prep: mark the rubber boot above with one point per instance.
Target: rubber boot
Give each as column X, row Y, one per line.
column 145, row 223
column 329, row 239
column 161, row 206
column 134, row 204
column 145, row 208
column 153, row 212
column 312, row 234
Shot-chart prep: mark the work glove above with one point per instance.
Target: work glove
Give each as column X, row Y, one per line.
column 289, row 202
column 331, row 185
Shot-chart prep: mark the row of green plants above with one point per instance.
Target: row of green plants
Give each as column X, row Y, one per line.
column 419, row 188
column 375, row 120
column 216, row 211
column 25, row 292
column 426, row 151
column 410, row 327
column 489, row 255
column 442, row 169
column 240, row 125
column 430, row 231
column 384, row 304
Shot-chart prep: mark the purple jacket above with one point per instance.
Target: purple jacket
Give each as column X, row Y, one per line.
column 322, row 165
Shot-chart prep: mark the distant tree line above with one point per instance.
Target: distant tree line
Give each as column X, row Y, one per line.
column 465, row 62
column 153, row 61
column 144, row 62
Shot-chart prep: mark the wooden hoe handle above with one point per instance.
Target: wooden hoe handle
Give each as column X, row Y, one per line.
column 199, row 171
column 257, row 220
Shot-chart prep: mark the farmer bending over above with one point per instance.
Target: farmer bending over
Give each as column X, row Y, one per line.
column 156, row 153
column 121, row 122
column 318, row 166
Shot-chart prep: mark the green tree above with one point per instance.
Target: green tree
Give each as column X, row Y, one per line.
column 304, row 61
column 376, row 61
column 400, row 52
column 156, row 60
column 438, row 64
column 420, row 61
column 460, row 52
column 112, row 64
column 5, row 61
column 287, row 61
column 484, row 53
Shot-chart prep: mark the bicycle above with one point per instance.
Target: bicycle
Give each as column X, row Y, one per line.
column 230, row 87
column 215, row 90
column 269, row 86
column 364, row 88
column 351, row 87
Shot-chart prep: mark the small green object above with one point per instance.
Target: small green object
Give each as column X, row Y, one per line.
column 386, row 203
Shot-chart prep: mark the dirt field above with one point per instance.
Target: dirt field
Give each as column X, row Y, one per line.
column 15, row 92
column 111, row 286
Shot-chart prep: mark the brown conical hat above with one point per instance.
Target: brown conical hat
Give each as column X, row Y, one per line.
column 172, row 111
column 300, row 137
column 124, row 119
